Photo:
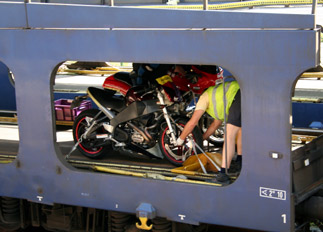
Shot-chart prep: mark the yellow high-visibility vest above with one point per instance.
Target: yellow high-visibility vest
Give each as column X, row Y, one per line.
column 216, row 102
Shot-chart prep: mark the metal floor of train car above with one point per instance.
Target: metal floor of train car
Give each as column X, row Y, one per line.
column 123, row 163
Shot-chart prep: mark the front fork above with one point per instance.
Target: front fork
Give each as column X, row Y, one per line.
column 166, row 116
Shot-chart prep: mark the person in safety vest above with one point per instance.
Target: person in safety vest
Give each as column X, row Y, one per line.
column 212, row 102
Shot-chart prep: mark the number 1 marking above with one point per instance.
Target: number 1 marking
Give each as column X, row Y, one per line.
column 284, row 218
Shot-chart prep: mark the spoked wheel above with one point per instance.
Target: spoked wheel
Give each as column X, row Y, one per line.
column 92, row 146
column 217, row 139
column 178, row 154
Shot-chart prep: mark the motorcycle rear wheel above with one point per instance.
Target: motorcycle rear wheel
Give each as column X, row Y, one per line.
column 174, row 153
column 89, row 147
column 217, row 138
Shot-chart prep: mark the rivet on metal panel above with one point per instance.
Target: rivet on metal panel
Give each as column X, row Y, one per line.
column 18, row 164
column 40, row 190
column 58, row 170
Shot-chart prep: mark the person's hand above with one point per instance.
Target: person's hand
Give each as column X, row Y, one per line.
column 179, row 141
column 189, row 144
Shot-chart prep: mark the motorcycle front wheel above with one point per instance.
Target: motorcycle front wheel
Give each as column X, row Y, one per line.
column 91, row 147
column 178, row 154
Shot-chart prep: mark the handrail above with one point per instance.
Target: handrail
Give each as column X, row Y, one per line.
column 232, row 5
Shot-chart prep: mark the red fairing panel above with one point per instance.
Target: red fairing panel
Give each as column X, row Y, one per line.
column 206, row 80
column 116, row 85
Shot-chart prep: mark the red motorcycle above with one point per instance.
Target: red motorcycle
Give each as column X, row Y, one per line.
column 195, row 79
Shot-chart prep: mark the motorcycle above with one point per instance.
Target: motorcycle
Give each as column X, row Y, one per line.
column 145, row 119
column 137, row 121
column 180, row 88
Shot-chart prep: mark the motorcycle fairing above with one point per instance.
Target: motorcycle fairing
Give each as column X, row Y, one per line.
column 119, row 82
column 135, row 110
column 139, row 149
column 104, row 99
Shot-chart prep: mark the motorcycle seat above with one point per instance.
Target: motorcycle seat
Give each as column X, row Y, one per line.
column 123, row 76
column 106, row 99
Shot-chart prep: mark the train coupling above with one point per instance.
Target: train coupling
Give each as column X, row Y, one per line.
column 144, row 212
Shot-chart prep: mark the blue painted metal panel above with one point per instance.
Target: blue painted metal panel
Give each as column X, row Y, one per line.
column 12, row 15
column 306, row 113
column 73, row 16
column 7, row 90
column 256, row 51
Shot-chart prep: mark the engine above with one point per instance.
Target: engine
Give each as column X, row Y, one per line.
column 138, row 131
column 136, row 137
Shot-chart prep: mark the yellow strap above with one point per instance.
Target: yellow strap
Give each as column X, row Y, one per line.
column 5, row 161
column 312, row 75
column 145, row 175
column 184, row 172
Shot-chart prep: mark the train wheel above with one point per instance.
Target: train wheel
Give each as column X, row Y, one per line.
column 120, row 222
column 10, row 219
column 161, row 225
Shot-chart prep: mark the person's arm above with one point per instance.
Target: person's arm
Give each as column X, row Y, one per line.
column 201, row 106
column 189, row 127
column 212, row 128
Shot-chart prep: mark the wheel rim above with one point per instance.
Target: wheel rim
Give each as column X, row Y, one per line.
column 218, row 136
column 175, row 153
column 85, row 145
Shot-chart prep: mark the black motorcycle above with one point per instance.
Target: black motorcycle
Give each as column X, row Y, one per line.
column 138, row 121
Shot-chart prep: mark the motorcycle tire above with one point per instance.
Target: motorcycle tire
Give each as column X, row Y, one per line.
column 217, row 139
column 88, row 146
column 174, row 153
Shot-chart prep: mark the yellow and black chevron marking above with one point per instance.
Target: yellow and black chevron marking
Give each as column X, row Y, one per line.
column 245, row 4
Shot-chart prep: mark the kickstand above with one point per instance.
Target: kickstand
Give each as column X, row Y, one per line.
column 74, row 148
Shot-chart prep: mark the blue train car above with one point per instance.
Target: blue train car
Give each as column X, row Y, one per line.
column 61, row 91
column 7, row 94
column 308, row 115
column 278, row 189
